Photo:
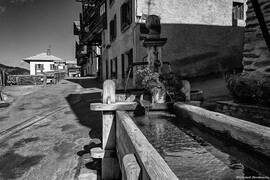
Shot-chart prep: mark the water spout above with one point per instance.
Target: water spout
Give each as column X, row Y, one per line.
column 126, row 83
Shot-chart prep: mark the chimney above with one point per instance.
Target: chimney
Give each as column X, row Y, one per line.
column 48, row 51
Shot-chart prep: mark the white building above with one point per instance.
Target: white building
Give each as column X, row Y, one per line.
column 45, row 62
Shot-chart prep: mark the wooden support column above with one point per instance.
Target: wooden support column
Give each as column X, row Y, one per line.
column 45, row 80
column 110, row 165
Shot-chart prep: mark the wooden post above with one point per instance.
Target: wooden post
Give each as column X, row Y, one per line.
column 131, row 168
column 17, row 80
column 1, row 78
column 45, row 80
column 110, row 165
column 4, row 78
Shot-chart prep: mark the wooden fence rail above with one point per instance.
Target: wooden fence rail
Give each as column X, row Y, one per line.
column 124, row 147
column 26, row 80
column 130, row 140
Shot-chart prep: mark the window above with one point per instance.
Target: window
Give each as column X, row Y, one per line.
column 123, row 66
column 113, row 29
column 126, row 14
column 39, row 66
column 238, row 11
column 52, row 67
column 111, row 2
column 114, row 68
column 130, row 62
column 107, row 70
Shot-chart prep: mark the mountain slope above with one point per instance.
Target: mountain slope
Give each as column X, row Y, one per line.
column 14, row 70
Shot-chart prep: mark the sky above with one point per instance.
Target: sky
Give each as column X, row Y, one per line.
column 29, row 27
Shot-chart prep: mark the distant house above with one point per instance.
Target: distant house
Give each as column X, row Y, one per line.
column 73, row 70
column 45, row 63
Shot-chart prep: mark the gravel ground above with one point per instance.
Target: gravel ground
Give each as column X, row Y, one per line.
column 57, row 145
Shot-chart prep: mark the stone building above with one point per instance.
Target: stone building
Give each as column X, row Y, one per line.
column 204, row 36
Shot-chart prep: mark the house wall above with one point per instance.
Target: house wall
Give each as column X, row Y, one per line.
column 199, row 50
column 200, row 35
column 201, row 38
column 124, row 40
column 204, row 12
column 46, row 66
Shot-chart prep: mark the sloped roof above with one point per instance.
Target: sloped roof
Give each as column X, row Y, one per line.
column 42, row 57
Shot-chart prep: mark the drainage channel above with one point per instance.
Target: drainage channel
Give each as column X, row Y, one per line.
column 193, row 153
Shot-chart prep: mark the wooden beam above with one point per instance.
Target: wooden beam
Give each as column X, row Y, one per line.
column 99, row 153
column 130, row 140
column 110, row 166
column 131, row 169
column 128, row 106
column 122, row 106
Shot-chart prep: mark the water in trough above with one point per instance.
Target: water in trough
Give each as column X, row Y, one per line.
column 193, row 153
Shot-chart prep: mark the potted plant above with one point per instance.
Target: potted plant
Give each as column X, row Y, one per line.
column 150, row 81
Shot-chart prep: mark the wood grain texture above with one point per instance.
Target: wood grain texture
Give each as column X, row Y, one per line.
column 254, row 135
column 110, row 165
column 108, row 92
column 130, row 140
column 131, row 169
column 118, row 106
column 128, row 106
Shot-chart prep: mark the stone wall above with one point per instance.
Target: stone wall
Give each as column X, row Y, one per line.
column 252, row 113
column 256, row 53
column 253, row 85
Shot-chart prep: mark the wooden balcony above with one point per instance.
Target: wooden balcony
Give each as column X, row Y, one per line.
column 76, row 28
column 94, row 22
column 81, row 54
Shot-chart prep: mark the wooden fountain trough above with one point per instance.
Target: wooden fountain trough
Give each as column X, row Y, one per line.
column 127, row 153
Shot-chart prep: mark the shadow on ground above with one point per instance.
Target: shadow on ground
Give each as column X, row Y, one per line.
column 86, row 82
column 80, row 105
column 14, row 165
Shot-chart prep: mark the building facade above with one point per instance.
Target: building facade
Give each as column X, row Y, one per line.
column 88, row 29
column 204, row 36
column 45, row 63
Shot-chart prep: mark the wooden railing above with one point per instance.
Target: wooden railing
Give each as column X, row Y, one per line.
column 125, row 150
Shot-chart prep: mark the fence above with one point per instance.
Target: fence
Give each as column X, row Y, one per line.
column 58, row 76
column 22, row 80
column 125, row 150
column 3, row 78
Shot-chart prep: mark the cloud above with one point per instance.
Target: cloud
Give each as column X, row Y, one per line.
column 2, row 9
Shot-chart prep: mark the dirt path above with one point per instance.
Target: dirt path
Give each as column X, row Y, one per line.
column 54, row 146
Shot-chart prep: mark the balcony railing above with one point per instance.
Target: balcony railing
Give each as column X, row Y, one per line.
column 94, row 21
column 81, row 51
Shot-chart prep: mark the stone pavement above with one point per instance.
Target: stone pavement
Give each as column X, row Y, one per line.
column 57, row 145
